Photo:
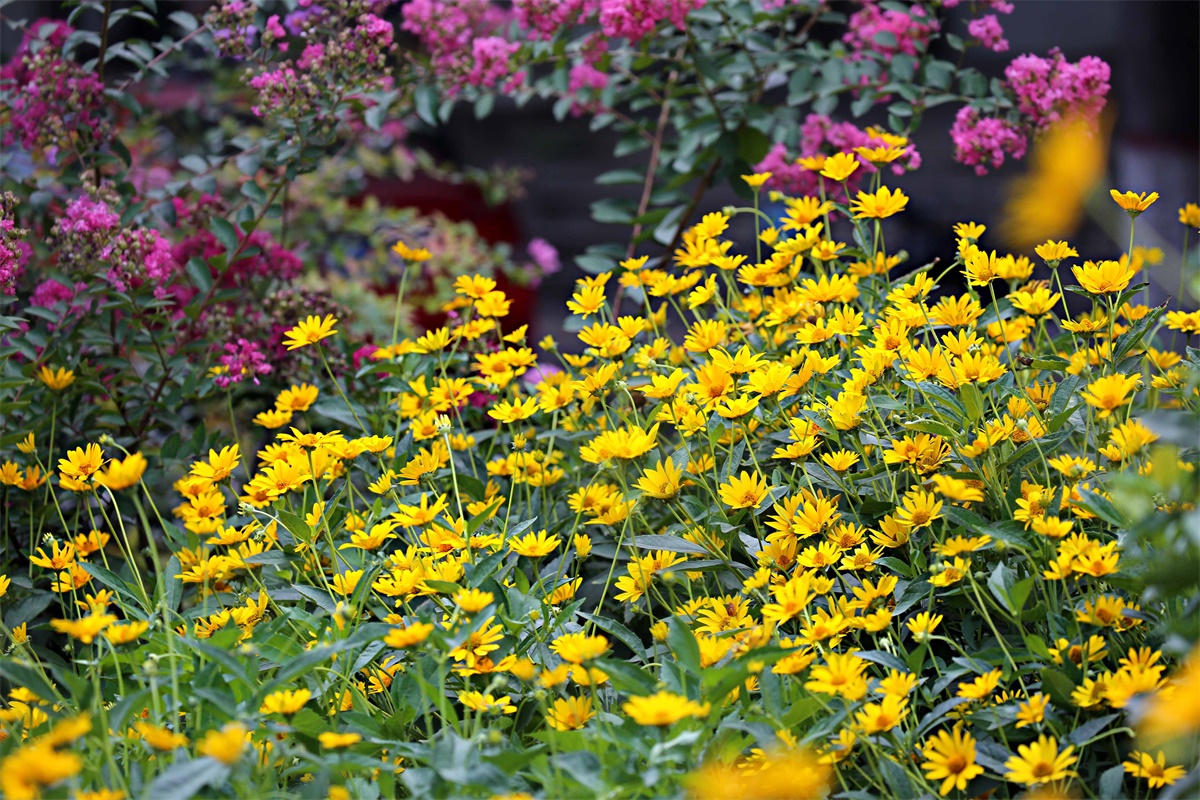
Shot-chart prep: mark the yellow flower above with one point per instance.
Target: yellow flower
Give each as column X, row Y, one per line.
column 414, row 634
column 1053, row 252
column 59, row 558
column 332, row 741
column 570, row 713
column 345, row 583
column 225, row 745
column 980, row 688
column 756, row 180
column 515, row 411
column 744, row 491
column 882, row 716
column 472, row 601
column 1190, row 215
column 27, row 445
column 125, row 633
column 1153, row 769
column 275, row 418
column 160, row 738
column 5, row 582
column 839, row 166
column 662, row 480
column 220, row 465
column 309, row 331
column 1033, row 711
column 122, row 474
column 1110, row 392
column 286, row 701
column 919, row 508
column 1132, row 202
column 578, row 648
column 297, row 398
column 880, row 205
column 1040, row 762
column 82, row 462
column 486, row 703
column 663, row 708
column 534, row 545
column 826, row 250
column 923, row 625
column 85, row 629
column 950, row 758
column 56, row 380
column 951, row 573
column 1036, row 303
column 417, row 254
column 25, row 771
column 1107, row 277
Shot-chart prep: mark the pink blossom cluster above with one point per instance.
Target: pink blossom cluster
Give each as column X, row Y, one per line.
column 1047, row 89
column 283, row 88
column 138, row 256
column 242, row 359
column 449, row 31
column 266, row 258
column 48, row 102
column 88, row 216
column 233, row 28
column 491, row 58
column 989, row 32
column 911, row 30
column 982, row 142
column 544, row 261
column 86, row 227
column 820, row 135
column 14, row 253
column 636, row 19
column 543, row 18
column 50, row 292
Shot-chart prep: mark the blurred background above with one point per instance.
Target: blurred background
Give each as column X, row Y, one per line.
column 1151, row 142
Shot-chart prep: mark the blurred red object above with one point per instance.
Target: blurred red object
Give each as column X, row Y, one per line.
column 459, row 203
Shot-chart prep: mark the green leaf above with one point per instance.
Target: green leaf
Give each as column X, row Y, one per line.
column 626, row 677
column 1058, row 686
column 673, row 544
column 223, row 230
column 28, row 677
column 184, row 779
column 972, row 401
column 683, row 644
column 425, row 98
column 1104, row 508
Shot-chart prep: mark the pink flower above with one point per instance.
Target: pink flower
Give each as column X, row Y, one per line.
column 491, row 55
column 982, row 142
column 1047, row 89
column 988, row 31
column 635, row 19
column 902, row 32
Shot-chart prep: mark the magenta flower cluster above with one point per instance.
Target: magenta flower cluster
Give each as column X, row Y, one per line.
column 909, row 30
column 49, row 101
column 14, row 253
column 242, row 359
column 1045, row 90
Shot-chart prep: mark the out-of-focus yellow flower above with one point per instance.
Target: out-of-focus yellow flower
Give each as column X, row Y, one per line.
column 1066, row 165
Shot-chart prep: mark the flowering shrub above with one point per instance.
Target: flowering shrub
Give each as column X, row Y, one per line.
column 792, row 528
column 731, row 87
column 783, row 518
